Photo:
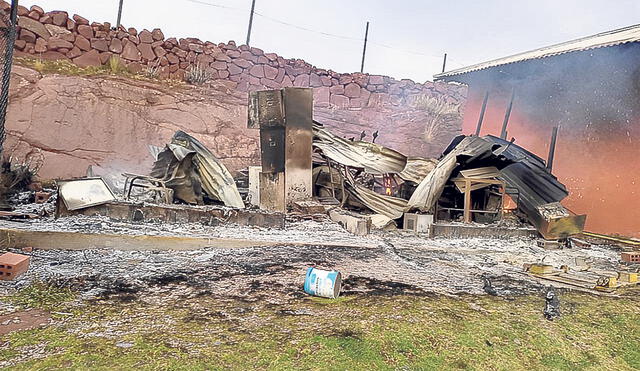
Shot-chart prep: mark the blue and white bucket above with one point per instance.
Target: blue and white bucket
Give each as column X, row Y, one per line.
column 323, row 283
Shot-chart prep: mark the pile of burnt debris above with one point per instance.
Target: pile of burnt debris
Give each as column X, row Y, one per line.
column 480, row 186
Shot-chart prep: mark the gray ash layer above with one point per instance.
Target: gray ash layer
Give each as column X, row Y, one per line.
column 384, row 263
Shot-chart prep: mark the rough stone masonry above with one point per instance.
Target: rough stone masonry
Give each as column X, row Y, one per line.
column 107, row 122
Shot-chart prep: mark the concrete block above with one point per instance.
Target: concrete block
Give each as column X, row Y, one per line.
column 356, row 224
column 309, row 207
column 419, row 223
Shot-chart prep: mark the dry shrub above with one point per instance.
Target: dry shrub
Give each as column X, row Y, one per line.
column 153, row 70
column 115, row 64
column 16, row 175
column 439, row 110
column 38, row 65
column 197, row 75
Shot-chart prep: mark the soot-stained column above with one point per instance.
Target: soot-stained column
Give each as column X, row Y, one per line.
column 284, row 118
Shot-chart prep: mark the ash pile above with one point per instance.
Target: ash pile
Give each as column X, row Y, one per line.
column 479, row 188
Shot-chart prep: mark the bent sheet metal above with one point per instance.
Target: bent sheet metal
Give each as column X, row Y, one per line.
column 527, row 178
column 373, row 158
column 191, row 170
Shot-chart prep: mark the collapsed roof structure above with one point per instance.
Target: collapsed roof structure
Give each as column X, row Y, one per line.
column 587, row 89
column 526, row 176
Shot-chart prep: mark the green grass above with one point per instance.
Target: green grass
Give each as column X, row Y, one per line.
column 351, row 333
column 41, row 295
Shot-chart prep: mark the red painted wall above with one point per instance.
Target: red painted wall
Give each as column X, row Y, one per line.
column 599, row 162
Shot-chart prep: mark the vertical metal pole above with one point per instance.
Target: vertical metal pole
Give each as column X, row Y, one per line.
column 444, row 62
column 119, row 15
column 364, row 48
column 503, row 133
column 552, row 148
column 482, row 110
column 253, row 6
column 10, row 37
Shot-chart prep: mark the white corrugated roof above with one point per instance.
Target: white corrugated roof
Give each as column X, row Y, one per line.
column 604, row 39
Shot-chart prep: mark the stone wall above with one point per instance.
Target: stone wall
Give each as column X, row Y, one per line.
column 416, row 119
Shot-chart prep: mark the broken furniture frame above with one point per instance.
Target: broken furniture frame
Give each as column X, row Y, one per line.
column 469, row 186
column 154, row 184
column 334, row 200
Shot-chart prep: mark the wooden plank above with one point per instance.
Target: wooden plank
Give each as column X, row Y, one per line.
column 460, row 184
column 467, row 201
column 481, row 173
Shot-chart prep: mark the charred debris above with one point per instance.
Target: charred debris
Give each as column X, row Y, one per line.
column 479, row 186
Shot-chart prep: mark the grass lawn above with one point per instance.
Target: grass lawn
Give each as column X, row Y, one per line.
column 352, row 332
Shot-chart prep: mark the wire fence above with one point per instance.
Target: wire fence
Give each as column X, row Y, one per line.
column 7, row 39
column 358, row 39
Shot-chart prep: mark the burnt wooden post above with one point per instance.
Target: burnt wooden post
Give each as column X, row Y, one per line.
column 482, row 110
column 507, row 114
column 467, row 201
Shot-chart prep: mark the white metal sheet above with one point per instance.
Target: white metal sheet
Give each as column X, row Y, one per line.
column 81, row 193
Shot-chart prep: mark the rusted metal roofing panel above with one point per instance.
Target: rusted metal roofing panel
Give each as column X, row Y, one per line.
column 605, row 39
column 430, row 189
column 373, row 158
column 391, row 207
column 534, row 188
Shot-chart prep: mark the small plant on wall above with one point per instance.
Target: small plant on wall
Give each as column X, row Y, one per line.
column 439, row 111
column 197, row 75
column 115, row 64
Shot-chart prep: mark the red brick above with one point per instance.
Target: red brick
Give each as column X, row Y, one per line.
column 42, row 197
column 12, row 265
column 630, row 257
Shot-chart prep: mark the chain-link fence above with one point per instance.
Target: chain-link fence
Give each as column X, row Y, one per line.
column 7, row 38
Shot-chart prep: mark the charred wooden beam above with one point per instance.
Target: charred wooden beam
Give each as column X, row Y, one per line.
column 507, row 114
column 482, row 111
column 552, row 148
